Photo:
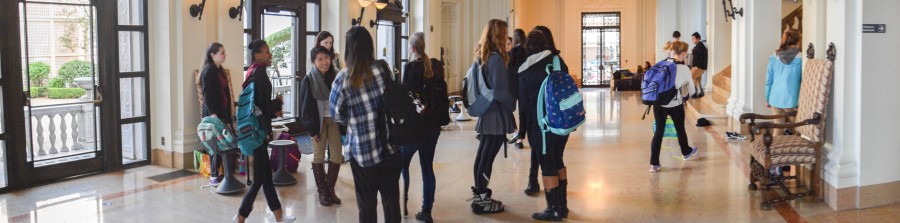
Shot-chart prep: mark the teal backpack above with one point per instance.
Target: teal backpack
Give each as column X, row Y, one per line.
column 215, row 136
column 250, row 135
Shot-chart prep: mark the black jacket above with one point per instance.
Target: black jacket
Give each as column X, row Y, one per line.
column 309, row 108
column 262, row 97
column 700, row 56
column 516, row 57
column 432, row 92
column 531, row 79
column 216, row 98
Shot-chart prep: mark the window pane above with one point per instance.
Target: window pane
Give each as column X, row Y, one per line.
column 310, row 43
column 246, row 51
column 134, row 142
column 59, row 131
column 313, row 19
column 132, row 97
column 131, row 12
column 131, row 51
column 3, row 181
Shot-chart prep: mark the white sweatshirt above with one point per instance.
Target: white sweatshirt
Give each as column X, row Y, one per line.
column 682, row 78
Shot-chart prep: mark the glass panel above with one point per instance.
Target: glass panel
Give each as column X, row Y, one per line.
column 133, row 100
column 3, row 180
column 134, row 142
column 58, row 49
column 313, row 19
column 131, row 12
column 600, row 19
column 279, row 31
column 310, row 43
column 66, row 132
column 246, row 51
column 385, row 44
column 131, row 51
column 600, row 48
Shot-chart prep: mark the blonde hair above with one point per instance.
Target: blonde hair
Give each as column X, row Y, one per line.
column 417, row 41
column 492, row 40
column 678, row 47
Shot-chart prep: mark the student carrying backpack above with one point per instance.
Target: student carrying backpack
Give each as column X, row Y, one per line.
column 658, row 87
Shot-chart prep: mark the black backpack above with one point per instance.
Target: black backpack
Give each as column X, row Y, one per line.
column 399, row 111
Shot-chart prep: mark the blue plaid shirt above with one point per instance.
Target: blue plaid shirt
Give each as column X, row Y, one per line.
column 359, row 109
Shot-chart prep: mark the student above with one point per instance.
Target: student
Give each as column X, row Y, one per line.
column 215, row 89
column 425, row 75
column 698, row 63
column 674, row 109
column 533, row 185
column 517, row 56
column 262, row 173
column 325, row 39
column 509, row 44
column 498, row 120
column 316, row 116
column 676, row 36
column 783, row 76
column 531, row 76
column 356, row 101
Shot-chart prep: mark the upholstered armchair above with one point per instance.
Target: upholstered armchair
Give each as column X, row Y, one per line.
column 804, row 146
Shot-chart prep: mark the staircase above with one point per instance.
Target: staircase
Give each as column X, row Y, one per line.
column 722, row 86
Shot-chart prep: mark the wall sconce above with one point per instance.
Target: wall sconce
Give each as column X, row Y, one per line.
column 234, row 12
column 734, row 11
column 362, row 5
column 197, row 10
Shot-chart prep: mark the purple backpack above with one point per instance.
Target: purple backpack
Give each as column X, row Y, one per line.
column 291, row 162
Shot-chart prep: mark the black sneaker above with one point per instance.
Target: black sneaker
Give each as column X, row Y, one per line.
column 424, row 216
column 730, row 135
column 483, row 204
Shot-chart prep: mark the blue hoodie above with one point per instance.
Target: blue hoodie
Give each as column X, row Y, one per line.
column 783, row 77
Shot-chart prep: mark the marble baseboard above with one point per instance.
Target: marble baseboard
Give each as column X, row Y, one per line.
column 879, row 194
column 172, row 159
column 841, row 199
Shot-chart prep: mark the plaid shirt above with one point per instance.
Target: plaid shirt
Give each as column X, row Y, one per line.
column 359, row 110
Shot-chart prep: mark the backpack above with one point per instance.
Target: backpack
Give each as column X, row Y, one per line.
column 477, row 93
column 658, row 87
column 399, row 105
column 250, row 135
column 215, row 136
column 560, row 107
column 292, row 159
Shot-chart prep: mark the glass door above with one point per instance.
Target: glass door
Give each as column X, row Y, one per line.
column 3, row 163
column 60, row 78
column 601, row 48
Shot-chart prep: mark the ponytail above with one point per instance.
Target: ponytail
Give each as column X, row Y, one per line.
column 417, row 41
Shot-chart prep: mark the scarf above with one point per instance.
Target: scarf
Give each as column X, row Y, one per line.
column 788, row 55
column 320, row 90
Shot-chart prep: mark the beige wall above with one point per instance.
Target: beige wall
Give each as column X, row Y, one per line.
column 563, row 17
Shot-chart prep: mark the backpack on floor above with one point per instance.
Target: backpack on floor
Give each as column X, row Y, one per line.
column 658, row 87
column 477, row 93
column 250, row 135
column 560, row 107
column 215, row 135
column 292, row 161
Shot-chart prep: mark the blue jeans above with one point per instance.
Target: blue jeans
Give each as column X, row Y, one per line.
column 426, row 159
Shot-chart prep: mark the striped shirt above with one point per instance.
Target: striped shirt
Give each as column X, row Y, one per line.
column 360, row 110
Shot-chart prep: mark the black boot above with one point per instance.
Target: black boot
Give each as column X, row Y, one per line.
column 533, row 187
column 564, row 199
column 552, row 213
column 425, row 216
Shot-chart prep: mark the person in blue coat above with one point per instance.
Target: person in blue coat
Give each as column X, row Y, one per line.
column 783, row 76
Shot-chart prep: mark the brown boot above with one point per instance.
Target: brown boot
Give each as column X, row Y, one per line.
column 333, row 170
column 321, row 185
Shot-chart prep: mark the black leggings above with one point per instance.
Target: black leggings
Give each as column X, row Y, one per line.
column 659, row 114
column 552, row 161
column 484, row 161
column 262, row 177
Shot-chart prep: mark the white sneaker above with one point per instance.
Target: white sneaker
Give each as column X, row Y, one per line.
column 284, row 219
column 655, row 168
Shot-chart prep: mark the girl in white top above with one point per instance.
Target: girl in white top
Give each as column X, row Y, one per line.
column 675, row 108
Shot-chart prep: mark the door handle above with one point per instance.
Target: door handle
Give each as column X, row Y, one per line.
column 27, row 98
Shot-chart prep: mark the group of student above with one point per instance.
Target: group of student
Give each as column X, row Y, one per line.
column 341, row 103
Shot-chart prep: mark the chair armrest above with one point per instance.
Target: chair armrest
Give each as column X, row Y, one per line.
column 768, row 126
column 753, row 116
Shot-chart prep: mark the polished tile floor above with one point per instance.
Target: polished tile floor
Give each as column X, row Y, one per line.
column 607, row 163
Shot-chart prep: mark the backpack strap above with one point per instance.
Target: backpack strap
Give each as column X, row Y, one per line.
column 542, row 124
column 555, row 65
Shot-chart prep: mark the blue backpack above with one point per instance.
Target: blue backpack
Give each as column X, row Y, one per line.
column 560, row 98
column 215, row 136
column 658, row 87
column 250, row 135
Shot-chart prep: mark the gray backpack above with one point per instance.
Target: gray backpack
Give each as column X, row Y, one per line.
column 477, row 93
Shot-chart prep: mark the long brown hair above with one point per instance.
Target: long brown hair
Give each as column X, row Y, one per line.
column 360, row 55
column 417, row 41
column 790, row 37
column 493, row 39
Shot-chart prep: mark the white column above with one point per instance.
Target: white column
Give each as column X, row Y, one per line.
column 760, row 36
column 718, row 39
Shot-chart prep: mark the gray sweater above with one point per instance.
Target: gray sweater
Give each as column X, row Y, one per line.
column 498, row 119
